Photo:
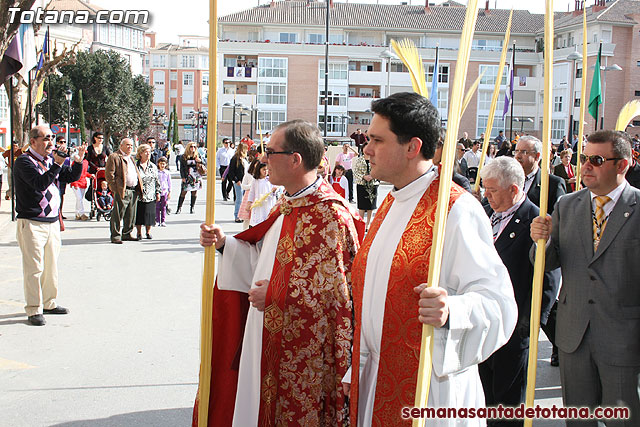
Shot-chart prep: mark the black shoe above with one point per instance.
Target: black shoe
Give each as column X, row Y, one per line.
column 139, row 237
column 37, row 320
column 61, row 216
column 191, row 210
column 57, row 310
column 238, row 220
column 178, row 210
column 554, row 359
column 149, row 236
column 129, row 239
column 116, row 241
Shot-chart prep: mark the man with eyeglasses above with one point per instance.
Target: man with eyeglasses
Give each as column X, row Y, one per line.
column 594, row 236
column 295, row 266
column 37, row 173
column 528, row 152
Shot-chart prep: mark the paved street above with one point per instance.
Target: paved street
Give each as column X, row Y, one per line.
column 128, row 353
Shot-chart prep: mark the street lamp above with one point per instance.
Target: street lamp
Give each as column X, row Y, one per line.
column 233, row 122
column 522, row 120
column 574, row 56
column 242, row 114
column 253, row 111
column 605, row 68
column 199, row 119
column 158, row 120
column 68, row 95
column 388, row 55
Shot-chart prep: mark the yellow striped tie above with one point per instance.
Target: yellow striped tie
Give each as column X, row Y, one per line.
column 599, row 219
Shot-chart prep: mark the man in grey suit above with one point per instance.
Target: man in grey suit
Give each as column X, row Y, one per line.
column 595, row 237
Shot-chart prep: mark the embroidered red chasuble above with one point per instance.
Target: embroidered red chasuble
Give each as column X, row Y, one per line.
column 401, row 334
column 307, row 332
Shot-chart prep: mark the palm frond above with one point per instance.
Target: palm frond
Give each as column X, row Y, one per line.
column 408, row 54
column 470, row 92
column 628, row 112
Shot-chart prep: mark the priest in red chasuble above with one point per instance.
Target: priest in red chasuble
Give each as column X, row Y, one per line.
column 473, row 310
column 281, row 361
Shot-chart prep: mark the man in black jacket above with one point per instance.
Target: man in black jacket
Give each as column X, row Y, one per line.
column 503, row 375
column 36, row 175
column 527, row 153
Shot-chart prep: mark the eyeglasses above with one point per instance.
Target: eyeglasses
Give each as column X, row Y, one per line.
column 62, row 141
column 46, row 137
column 269, row 152
column 523, row 152
column 596, row 161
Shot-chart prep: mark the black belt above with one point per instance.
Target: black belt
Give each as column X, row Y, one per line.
column 131, row 188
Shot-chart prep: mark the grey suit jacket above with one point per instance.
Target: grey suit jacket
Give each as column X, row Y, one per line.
column 600, row 291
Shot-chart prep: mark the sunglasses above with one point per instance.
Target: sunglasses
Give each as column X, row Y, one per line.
column 596, row 161
column 269, row 152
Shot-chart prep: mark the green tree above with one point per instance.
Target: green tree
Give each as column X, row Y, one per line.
column 81, row 125
column 118, row 104
column 176, row 134
column 169, row 127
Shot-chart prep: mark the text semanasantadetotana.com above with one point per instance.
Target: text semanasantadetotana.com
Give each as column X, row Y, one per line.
column 519, row 412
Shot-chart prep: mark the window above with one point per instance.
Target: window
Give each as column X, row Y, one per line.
column 337, row 96
column 638, row 63
column 230, row 62
column 352, row 92
column 398, row 67
column 443, row 73
column 637, row 93
column 187, row 79
column 268, row 120
column 173, row 75
column 336, row 39
column 205, row 79
column 272, row 93
column 491, row 72
column 158, row 78
column 490, row 45
column 288, row 37
column 158, row 61
column 204, row 62
column 558, row 129
column 272, row 67
column 315, row 39
column 335, row 124
column 498, row 124
column 484, row 101
column 4, row 105
column 557, row 104
column 443, row 100
column 366, row 92
column 186, row 113
column 336, row 71
column 188, row 61
column 579, row 72
column 253, row 36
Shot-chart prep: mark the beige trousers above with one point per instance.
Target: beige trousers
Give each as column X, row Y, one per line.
column 40, row 245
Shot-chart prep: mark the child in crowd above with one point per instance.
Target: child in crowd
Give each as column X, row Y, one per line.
column 245, row 207
column 262, row 195
column 339, row 182
column 105, row 199
column 165, row 191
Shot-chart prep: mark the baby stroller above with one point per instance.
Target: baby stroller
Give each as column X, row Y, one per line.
column 97, row 209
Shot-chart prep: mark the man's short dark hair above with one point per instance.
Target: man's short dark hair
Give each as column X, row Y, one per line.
column 225, row 140
column 411, row 115
column 59, row 137
column 149, row 138
column 621, row 141
column 305, row 139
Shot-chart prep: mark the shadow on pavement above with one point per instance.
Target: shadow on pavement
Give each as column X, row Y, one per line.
column 160, row 417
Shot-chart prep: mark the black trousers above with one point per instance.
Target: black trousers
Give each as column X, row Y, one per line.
column 504, row 376
column 349, row 174
column 226, row 184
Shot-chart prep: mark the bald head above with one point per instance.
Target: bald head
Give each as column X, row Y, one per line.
column 126, row 146
column 41, row 140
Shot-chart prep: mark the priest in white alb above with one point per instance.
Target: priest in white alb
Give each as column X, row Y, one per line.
column 284, row 366
column 473, row 310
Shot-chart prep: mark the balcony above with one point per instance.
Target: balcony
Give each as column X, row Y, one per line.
column 239, row 74
column 360, row 104
column 367, row 77
column 246, row 100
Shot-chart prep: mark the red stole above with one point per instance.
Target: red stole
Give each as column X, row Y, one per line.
column 570, row 174
column 303, row 329
column 401, row 334
column 336, row 186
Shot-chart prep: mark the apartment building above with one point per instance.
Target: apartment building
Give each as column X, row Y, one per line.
column 271, row 58
column 179, row 74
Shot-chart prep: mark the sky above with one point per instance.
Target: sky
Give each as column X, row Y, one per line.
column 189, row 17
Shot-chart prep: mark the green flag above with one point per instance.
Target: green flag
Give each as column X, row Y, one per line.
column 595, row 97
